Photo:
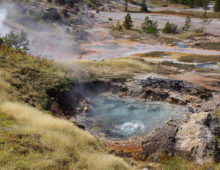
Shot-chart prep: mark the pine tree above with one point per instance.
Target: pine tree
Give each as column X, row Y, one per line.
column 126, row 5
column 205, row 20
column 128, row 22
column 191, row 3
column 187, row 24
column 144, row 6
column 217, row 6
column 205, row 4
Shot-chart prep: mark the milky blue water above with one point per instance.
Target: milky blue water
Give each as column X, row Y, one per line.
column 125, row 117
column 210, row 66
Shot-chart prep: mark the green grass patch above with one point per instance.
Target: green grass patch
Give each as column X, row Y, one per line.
column 208, row 45
column 32, row 76
column 199, row 58
column 177, row 162
column 153, row 54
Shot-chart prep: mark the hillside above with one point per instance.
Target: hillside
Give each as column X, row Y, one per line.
column 31, row 137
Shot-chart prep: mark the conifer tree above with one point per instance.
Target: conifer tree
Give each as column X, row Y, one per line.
column 205, row 20
column 126, row 5
column 128, row 22
column 217, row 6
column 144, row 6
column 187, row 24
column 191, row 3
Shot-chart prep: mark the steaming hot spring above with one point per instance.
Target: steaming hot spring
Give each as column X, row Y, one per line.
column 121, row 118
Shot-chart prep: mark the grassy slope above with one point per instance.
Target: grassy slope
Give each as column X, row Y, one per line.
column 31, row 138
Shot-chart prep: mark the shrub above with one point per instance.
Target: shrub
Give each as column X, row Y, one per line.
column 118, row 27
column 128, row 22
column 1, row 41
column 16, row 41
column 150, row 26
column 170, row 28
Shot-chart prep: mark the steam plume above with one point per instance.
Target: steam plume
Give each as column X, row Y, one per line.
column 3, row 29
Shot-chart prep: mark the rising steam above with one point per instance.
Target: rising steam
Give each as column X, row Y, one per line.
column 3, row 29
column 47, row 39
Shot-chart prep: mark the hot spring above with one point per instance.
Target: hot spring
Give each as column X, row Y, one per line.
column 121, row 118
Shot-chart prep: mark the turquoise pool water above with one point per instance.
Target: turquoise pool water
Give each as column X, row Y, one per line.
column 122, row 118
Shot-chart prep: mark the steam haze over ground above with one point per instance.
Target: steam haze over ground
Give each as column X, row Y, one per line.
column 3, row 29
column 47, row 39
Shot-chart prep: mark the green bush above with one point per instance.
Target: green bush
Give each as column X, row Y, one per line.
column 1, row 42
column 150, row 26
column 16, row 41
column 170, row 28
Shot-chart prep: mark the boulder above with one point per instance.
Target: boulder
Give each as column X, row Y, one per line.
column 195, row 139
column 161, row 139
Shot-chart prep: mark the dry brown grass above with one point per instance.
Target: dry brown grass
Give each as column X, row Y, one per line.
column 64, row 145
column 34, row 139
column 124, row 67
column 6, row 88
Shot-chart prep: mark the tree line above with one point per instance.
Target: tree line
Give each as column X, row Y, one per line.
column 190, row 3
column 198, row 3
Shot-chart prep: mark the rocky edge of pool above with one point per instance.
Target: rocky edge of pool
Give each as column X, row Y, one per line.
column 189, row 129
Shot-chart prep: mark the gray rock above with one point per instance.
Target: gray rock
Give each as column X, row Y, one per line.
column 162, row 139
column 195, row 139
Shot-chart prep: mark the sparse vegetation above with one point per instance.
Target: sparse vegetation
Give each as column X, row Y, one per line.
column 118, row 27
column 170, row 28
column 208, row 45
column 187, row 24
column 205, row 20
column 16, row 41
column 199, row 58
column 150, row 26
